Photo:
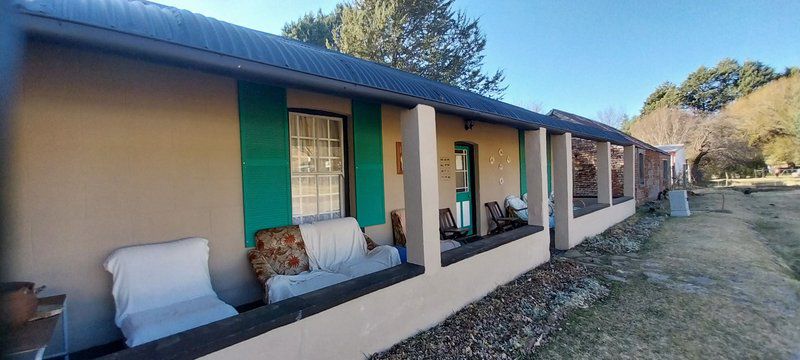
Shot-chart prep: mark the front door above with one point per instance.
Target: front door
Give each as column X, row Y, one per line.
column 465, row 192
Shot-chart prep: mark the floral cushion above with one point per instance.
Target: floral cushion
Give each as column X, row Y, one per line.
column 278, row 251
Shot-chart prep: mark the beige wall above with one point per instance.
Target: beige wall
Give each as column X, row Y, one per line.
column 487, row 140
column 111, row 152
column 595, row 223
column 378, row 320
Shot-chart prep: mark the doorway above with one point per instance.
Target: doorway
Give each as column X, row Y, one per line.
column 465, row 186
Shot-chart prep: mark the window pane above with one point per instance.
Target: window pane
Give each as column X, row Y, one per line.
column 293, row 124
column 461, row 180
column 306, row 126
column 307, row 154
column 322, row 147
column 322, row 128
column 459, row 162
column 336, row 129
column 336, row 149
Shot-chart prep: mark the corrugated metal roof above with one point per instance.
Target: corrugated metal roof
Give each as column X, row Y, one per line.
column 186, row 29
column 566, row 116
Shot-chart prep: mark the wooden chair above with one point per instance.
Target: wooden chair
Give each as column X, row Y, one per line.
column 501, row 222
column 448, row 228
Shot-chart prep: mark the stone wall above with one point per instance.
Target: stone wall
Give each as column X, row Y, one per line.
column 654, row 181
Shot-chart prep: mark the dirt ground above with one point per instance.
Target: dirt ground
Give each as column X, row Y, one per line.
column 718, row 284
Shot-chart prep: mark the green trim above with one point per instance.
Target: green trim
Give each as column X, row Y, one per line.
column 469, row 195
column 523, row 175
column 549, row 166
column 368, row 160
column 266, row 179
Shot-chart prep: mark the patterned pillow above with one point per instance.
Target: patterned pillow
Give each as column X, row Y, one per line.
column 278, row 251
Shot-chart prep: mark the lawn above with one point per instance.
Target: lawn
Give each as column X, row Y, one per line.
column 719, row 284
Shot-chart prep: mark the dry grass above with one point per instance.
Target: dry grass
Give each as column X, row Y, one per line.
column 729, row 291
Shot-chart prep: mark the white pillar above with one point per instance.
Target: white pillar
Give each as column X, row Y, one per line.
column 562, row 186
column 629, row 170
column 604, row 191
column 421, row 186
column 536, row 175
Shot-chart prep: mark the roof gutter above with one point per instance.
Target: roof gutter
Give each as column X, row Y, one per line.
column 183, row 56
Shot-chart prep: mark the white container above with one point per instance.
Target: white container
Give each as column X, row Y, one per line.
column 679, row 203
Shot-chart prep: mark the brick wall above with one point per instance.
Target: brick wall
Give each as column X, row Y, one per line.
column 653, row 176
column 584, row 168
column 584, row 171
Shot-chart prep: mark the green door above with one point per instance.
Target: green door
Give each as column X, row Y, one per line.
column 465, row 192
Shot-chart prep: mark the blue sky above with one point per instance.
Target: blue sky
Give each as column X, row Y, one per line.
column 586, row 56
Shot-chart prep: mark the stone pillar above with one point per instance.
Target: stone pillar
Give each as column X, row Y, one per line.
column 421, row 186
column 629, row 167
column 536, row 175
column 604, row 192
column 562, row 186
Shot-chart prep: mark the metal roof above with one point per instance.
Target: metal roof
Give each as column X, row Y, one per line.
column 566, row 116
column 182, row 37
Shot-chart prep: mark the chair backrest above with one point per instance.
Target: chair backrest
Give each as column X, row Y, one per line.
column 156, row 275
column 281, row 249
column 446, row 220
column 399, row 226
column 494, row 210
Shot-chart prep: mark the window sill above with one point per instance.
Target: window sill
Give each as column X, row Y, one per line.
column 216, row 336
column 588, row 210
column 487, row 243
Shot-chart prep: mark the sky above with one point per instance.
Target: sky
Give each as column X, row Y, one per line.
column 587, row 56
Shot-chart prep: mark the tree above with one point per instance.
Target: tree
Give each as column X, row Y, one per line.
column 770, row 119
column 665, row 95
column 753, row 75
column 424, row 37
column 709, row 89
column 613, row 117
column 316, row 29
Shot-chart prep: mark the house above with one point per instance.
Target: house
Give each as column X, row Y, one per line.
column 677, row 158
column 139, row 123
column 654, row 170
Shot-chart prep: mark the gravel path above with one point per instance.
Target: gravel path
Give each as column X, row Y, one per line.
column 517, row 317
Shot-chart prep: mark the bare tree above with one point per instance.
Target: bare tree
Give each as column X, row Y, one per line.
column 535, row 106
column 613, row 117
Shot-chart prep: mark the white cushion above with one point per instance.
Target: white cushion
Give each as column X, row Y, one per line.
column 332, row 243
column 154, row 324
column 380, row 258
column 158, row 275
column 285, row 286
column 445, row 245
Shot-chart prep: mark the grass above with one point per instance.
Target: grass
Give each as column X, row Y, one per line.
column 732, row 289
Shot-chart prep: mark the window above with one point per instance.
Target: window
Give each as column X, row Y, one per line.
column 667, row 172
column 462, row 172
column 640, row 170
column 317, row 163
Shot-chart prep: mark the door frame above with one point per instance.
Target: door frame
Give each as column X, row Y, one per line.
column 471, row 170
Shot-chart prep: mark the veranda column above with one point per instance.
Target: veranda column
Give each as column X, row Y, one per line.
column 562, row 186
column 604, row 173
column 536, row 175
column 421, row 186
column 629, row 173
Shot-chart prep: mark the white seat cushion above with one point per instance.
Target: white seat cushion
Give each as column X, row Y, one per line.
column 380, row 258
column 285, row 286
column 445, row 245
column 153, row 324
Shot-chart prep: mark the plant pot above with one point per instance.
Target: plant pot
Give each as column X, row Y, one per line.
column 18, row 303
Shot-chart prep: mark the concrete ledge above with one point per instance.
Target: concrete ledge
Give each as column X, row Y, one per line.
column 597, row 221
column 224, row 333
column 378, row 320
column 487, row 243
column 621, row 199
column 589, row 209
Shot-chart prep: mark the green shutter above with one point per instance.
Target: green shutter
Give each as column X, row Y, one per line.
column 523, row 176
column 266, row 181
column 368, row 161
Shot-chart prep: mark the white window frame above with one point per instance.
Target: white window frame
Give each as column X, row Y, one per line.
column 301, row 216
